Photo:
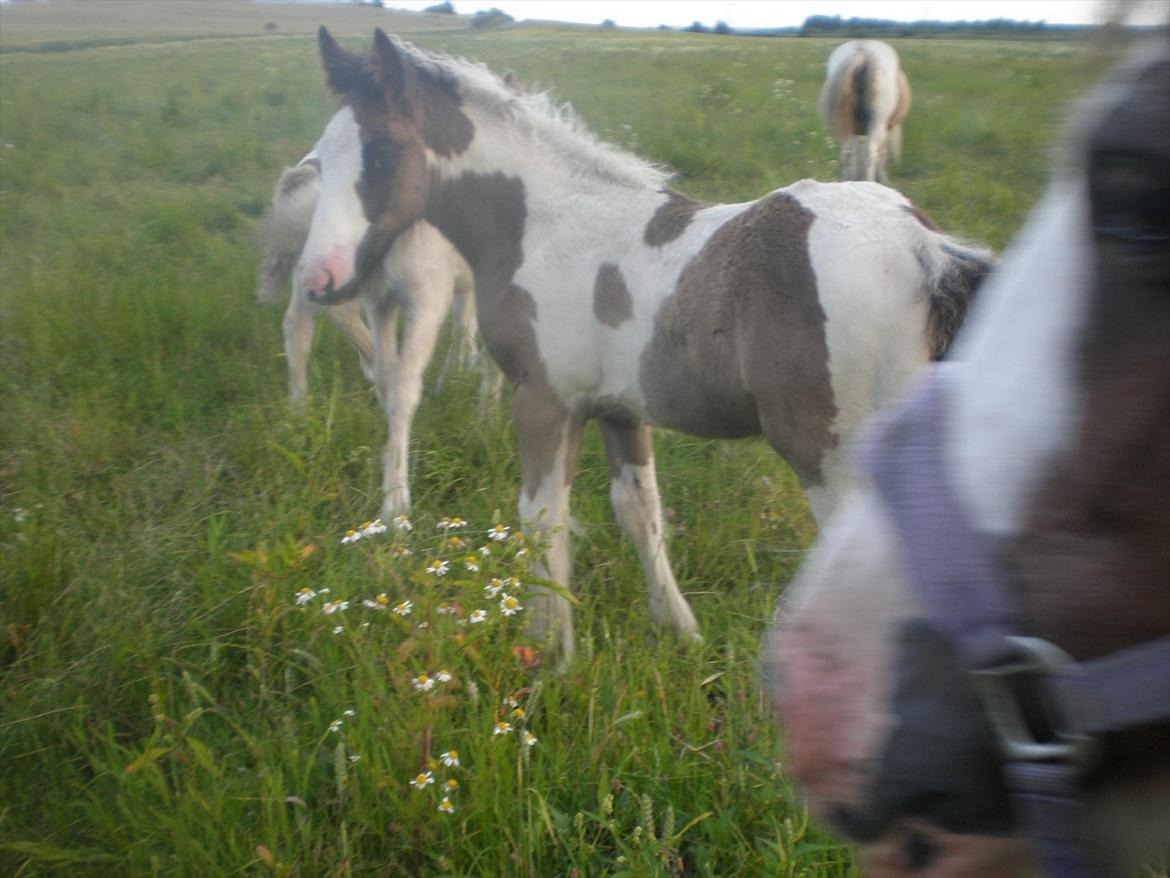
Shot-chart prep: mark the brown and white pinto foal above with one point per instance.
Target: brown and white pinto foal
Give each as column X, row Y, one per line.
column 603, row 295
column 1023, row 492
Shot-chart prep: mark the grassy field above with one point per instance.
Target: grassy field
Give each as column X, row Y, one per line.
column 168, row 707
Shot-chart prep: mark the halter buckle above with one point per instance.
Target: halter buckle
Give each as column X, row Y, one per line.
column 1032, row 718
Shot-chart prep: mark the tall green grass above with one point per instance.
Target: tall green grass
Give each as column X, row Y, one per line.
column 166, row 702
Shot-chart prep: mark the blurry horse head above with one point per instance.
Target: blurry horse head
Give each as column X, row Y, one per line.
column 373, row 165
column 1051, row 440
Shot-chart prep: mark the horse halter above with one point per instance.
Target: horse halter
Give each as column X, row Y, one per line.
column 1047, row 710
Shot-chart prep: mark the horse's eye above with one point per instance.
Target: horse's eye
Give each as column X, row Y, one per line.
column 1131, row 203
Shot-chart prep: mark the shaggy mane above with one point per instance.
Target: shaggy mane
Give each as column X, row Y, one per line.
column 538, row 116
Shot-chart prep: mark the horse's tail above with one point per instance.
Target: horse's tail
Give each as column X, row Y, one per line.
column 287, row 228
column 954, row 272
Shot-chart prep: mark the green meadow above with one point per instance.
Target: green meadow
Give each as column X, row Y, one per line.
column 182, row 691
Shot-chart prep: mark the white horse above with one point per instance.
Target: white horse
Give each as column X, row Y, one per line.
column 973, row 667
column 602, row 294
column 863, row 102
column 422, row 274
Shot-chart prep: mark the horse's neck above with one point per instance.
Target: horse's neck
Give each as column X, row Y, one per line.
column 496, row 194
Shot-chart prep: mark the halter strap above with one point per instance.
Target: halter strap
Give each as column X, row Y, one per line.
column 954, row 569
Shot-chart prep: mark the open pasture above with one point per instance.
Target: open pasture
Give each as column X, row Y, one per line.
column 169, row 708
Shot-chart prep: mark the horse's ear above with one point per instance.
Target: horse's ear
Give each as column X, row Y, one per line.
column 341, row 68
column 392, row 69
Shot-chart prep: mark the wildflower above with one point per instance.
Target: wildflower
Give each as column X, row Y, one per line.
column 438, row 568
column 401, row 552
column 349, row 711
column 404, row 608
column 451, row 785
column 351, row 536
column 471, row 563
column 502, row 728
column 305, row 595
column 445, row 609
column 497, row 533
column 486, row 551
column 373, row 528
column 521, row 553
column 403, row 523
column 335, row 727
column 509, row 701
column 517, row 713
column 446, row 806
column 495, row 586
column 422, row 780
column 353, row 757
column 443, row 676
column 529, row 739
column 451, row 523
column 331, row 607
column 423, row 683
column 378, row 603
column 450, row 758
column 478, row 616
column 455, row 543
column 338, row 629
column 509, row 606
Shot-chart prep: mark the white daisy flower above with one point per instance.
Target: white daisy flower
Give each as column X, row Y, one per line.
column 403, row 523
column 305, row 595
column 331, row 607
column 438, row 568
column 445, row 609
column 351, row 536
column 509, row 701
column 373, row 528
column 529, row 738
column 444, row 676
column 353, row 757
column 450, row 758
column 451, row 523
column 401, row 552
column 349, row 711
column 471, row 563
column 335, row 727
column 446, row 805
column 509, row 606
column 423, row 682
column 498, row 533
column 450, row 785
column 502, row 728
column 495, row 586
column 338, row 629
column 422, row 780
column 486, row 551
column 404, row 608
column 478, row 616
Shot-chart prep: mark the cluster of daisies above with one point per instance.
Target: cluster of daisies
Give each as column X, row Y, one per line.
column 458, row 573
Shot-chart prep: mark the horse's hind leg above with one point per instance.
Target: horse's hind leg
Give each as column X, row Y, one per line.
column 633, row 490
column 550, row 440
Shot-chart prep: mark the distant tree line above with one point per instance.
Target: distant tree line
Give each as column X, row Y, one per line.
column 836, row 26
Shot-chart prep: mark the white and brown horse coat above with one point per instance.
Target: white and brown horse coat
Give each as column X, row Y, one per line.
column 1058, row 442
column 602, row 294
column 863, row 102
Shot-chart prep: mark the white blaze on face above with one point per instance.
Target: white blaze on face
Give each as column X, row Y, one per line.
column 1015, row 410
column 339, row 221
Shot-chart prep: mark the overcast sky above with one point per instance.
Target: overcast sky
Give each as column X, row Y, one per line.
column 777, row 13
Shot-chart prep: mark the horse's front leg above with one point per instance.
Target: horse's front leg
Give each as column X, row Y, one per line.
column 550, row 441
column 347, row 317
column 298, row 326
column 629, row 447
column 400, row 380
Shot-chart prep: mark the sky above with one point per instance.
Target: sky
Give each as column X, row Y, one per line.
column 776, row 13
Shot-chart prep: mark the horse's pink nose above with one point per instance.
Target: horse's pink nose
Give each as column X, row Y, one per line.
column 326, row 275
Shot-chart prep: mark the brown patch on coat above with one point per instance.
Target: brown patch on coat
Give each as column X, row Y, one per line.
column 671, row 219
column 626, row 442
column 612, row 304
column 447, row 130
column 739, row 348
